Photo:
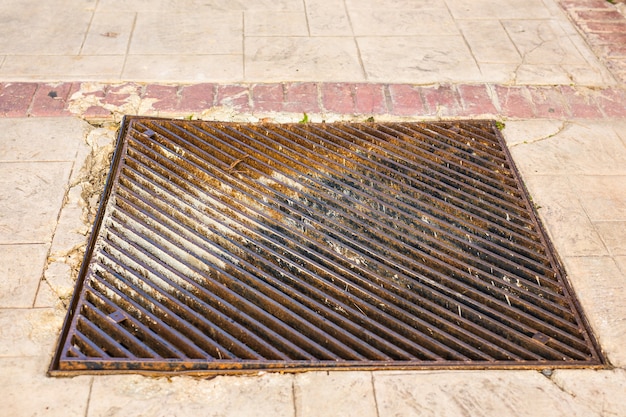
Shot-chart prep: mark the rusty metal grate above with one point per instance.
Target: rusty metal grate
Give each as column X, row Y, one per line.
column 231, row 247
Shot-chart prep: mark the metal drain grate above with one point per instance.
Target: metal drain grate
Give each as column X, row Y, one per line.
column 231, row 247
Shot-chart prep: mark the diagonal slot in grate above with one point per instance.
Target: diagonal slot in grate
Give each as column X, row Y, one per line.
column 230, row 247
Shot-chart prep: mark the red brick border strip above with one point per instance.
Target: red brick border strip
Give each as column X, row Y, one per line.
column 604, row 28
column 105, row 101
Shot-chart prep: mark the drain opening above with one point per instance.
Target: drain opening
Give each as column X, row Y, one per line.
column 225, row 247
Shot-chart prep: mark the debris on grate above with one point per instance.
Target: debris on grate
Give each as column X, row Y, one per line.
column 226, row 247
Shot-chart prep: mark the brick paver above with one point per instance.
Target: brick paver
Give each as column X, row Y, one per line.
column 604, row 29
column 441, row 100
column 15, row 99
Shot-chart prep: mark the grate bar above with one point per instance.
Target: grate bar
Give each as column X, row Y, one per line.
column 186, row 320
column 307, row 312
column 433, row 241
column 556, row 318
column 284, row 237
column 488, row 211
column 423, row 214
column 230, row 247
column 151, row 325
column 204, row 219
column 221, row 226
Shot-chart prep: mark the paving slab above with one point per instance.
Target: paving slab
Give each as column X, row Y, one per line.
column 328, row 19
column 613, row 234
column 475, row 393
column 559, row 152
column 327, row 58
column 560, row 208
column 41, row 139
column 20, row 267
column 26, row 391
column 542, row 42
column 193, row 68
column 48, row 31
column 602, row 391
column 63, row 67
column 599, row 283
column 36, row 160
column 488, row 9
column 421, row 59
column 109, row 33
column 621, row 263
column 487, row 41
column 379, row 21
column 136, row 396
column 31, row 195
column 218, row 5
column 273, row 23
column 29, row 332
column 317, row 393
column 602, row 196
column 186, row 32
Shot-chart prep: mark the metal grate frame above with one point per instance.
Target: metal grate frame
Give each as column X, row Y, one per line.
column 225, row 247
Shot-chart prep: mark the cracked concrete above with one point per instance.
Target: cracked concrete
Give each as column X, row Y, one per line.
column 78, row 213
column 531, row 131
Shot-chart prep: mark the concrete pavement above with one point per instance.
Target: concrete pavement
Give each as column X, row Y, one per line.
column 420, row 41
column 552, row 71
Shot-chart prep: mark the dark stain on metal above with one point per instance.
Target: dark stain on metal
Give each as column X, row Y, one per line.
column 225, row 247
